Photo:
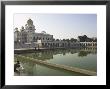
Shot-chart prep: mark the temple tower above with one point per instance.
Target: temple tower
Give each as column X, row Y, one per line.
column 30, row 29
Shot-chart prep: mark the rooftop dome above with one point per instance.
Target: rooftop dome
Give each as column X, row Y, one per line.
column 43, row 32
column 30, row 22
column 16, row 28
column 22, row 27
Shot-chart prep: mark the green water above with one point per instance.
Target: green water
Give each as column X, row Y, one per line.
column 80, row 58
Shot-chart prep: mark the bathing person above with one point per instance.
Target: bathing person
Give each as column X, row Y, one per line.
column 18, row 67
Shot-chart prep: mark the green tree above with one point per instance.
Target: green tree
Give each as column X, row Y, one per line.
column 57, row 39
column 73, row 40
column 67, row 40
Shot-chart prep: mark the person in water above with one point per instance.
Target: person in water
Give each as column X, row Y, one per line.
column 18, row 67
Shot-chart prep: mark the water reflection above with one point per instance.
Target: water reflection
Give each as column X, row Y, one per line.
column 83, row 53
column 33, row 69
column 69, row 57
column 48, row 54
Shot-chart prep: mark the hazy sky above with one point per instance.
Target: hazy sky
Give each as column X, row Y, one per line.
column 61, row 26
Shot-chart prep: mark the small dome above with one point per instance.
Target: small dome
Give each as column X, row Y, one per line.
column 30, row 22
column 43, row 32
column 16, row 29
column 22, row 27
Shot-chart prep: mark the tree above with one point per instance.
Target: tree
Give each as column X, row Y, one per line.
column 73, row 40
column 82, row 38
column 67, row 40
column 57, row 39
column 85, row 38
column 64, row 39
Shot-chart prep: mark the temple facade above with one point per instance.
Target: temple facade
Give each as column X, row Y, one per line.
column 28, row 34
column 26, row 37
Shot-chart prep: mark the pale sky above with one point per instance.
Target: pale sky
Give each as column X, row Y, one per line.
column 61, row 26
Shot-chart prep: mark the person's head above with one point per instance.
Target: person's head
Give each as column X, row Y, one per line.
column 18, row 62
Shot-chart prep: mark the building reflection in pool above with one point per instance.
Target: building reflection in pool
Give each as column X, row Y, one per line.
column 61, row 56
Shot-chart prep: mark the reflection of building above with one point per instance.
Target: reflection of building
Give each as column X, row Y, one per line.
column 28, row 38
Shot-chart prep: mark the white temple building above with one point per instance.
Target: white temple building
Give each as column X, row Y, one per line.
column 28, row 34
column 26, row 37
